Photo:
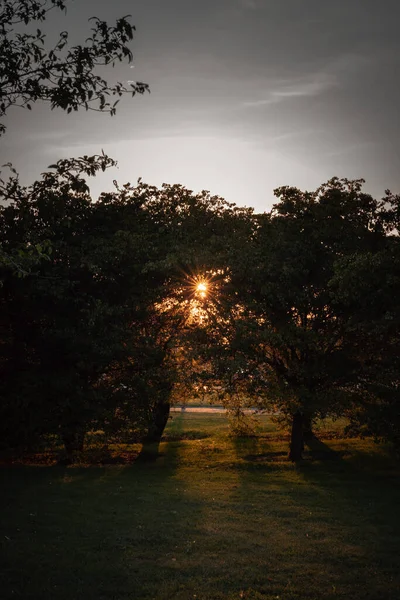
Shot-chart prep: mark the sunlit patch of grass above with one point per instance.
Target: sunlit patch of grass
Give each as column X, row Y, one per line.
column 215, row 517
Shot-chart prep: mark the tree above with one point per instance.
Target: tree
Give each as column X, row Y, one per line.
column 197, row 231
column 53, row 317
column 74, row 324
column 64, row 77
column 214, row 368
column 294, row 338
column 95, row 324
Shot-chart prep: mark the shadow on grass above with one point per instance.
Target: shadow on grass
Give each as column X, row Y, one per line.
column 185, row 435
column 173, row 528
column 332, row 517
column 358, row 488
column 317, row 450
column 92, row 533
column 260, row 453
column 151, row 451
column 180, row 428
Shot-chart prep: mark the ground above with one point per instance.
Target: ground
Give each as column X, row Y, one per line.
column 214, row 517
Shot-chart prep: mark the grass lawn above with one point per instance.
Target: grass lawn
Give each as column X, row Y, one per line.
column 213, row 518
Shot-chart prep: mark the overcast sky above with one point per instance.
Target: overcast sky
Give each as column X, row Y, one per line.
column 246, row 96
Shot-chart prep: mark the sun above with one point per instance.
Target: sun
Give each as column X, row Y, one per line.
column 199, row 288
column 202, row 288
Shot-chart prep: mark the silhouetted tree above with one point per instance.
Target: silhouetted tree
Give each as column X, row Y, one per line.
column 89, row 334
column 291, row 331
column 61, row 75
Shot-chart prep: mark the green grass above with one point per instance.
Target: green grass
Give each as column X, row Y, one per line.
column 213, row 518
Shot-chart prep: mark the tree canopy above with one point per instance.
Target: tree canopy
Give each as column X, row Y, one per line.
column 94, row 326
column 64, row 76
column 289, row 329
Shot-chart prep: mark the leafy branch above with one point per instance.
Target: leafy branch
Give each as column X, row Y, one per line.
column 63, row 76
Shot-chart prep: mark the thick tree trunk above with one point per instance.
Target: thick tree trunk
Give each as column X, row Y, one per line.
column 150, row 448
column 73, row 442
column 160, row 416
column 297, row 439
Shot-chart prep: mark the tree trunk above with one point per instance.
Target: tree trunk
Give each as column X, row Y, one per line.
column 73, row 442
column 150, row 447
column 160, row 416
column 296, row 439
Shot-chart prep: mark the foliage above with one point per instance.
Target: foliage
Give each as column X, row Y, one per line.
column 73, row 325
column 366, row 288
column 108, row 329
column 43, row 312
column 66, row 77
column 98, row 328
column 290, row 332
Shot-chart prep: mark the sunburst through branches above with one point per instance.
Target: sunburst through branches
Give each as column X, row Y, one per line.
column 200, row 290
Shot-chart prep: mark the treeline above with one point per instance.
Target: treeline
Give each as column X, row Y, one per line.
column 101, row 323
column 101, row 326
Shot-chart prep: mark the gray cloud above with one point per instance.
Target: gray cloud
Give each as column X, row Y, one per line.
column 305, row 87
